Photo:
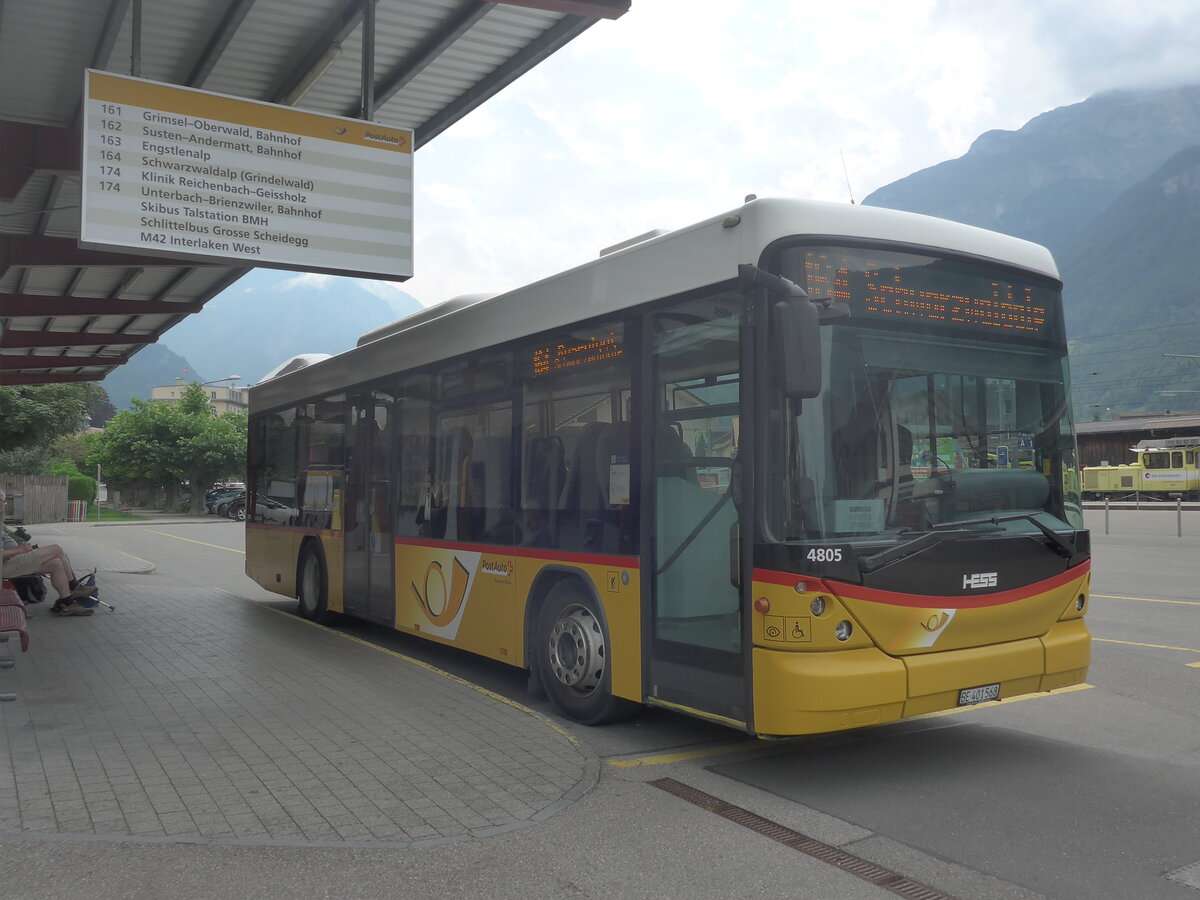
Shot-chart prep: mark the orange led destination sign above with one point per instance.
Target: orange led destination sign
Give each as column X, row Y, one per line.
column 179, row 172
column 933, row 291
column 562, row 355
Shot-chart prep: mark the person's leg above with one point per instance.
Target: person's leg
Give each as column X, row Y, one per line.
column 54, row 551
column 55, row 568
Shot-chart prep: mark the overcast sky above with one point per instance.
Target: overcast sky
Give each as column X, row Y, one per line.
column 680, row 108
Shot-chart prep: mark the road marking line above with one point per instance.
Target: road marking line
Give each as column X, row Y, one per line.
column 1148, row 599
column 190, row 541
column 663, row 759
column 1151, row 646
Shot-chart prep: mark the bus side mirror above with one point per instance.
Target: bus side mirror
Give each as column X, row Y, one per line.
column 796, row 346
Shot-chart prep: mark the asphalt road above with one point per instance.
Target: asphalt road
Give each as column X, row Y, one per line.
column 1090, row 793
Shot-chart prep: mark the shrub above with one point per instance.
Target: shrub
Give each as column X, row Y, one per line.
column 81, row 487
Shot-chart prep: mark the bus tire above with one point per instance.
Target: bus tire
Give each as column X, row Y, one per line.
column 312, row 587
column 571, row 649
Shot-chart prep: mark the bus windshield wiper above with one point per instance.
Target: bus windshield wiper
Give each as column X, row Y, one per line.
column 1061, row 545
column 923, row 541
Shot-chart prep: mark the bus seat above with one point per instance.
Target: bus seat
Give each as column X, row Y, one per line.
column 580, row 492
column 490, row 490
column 580, row 503
column 545, row 472
column 674, row 458
column 454, row 471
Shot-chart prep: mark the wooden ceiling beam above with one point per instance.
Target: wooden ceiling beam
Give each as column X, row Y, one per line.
column 50, row 378
column 21, row 340
column 9, row 362
column 592, row 9
column 39, row 250
column 12, row 305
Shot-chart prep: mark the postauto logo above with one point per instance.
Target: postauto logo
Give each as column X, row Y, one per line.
column 501, row 567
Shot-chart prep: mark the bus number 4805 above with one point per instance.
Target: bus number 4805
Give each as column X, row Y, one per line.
column 825, row 554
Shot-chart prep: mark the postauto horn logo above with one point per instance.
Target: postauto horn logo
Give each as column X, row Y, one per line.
column 440, row 601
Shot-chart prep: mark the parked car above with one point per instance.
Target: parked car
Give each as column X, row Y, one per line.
column 216, row 495
column 236, row 509
column 222, row 505
column 268, row 510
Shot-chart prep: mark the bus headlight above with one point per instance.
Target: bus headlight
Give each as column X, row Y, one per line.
column 1080, row 602
column 843, row 630
column 817, row 606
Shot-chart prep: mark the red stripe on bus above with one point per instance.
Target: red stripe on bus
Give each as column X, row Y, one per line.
column 588, row 559
column 295, row 529
column 974, row 601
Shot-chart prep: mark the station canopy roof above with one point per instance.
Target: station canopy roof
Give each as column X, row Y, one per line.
column 72, row 314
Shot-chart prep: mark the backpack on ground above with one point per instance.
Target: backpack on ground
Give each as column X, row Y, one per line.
column 83, row 599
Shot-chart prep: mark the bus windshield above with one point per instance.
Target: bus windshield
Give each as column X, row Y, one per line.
column 945, row 400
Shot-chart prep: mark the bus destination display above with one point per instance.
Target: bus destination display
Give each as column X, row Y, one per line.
column 563, row 355
column 908, row 287
column 175, row 171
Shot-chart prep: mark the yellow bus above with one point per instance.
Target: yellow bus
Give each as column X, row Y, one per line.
column 682, row 474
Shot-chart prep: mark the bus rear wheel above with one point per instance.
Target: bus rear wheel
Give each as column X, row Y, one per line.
column 312, row 588
column 573, row 658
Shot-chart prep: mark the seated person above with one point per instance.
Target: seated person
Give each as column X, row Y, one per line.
column 24, row 559
column 535, row 532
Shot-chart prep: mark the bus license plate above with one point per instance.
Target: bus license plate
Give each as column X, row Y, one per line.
column 970, row 696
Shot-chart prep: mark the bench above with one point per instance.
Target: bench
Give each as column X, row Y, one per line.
column 12, row 618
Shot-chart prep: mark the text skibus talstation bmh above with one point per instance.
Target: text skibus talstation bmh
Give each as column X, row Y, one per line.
column 757, row 482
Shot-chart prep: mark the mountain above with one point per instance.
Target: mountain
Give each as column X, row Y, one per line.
column 267, row 317
column 152, row 365
column 1112, row 186
column 1046, row 181
column 1132, row 297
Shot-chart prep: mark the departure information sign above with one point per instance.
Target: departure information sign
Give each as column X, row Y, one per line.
column 908, row 287
column 197, row 175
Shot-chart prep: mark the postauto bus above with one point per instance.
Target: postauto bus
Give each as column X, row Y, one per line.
column 749, row 470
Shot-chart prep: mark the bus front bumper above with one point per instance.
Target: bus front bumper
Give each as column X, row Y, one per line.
column 813, row 693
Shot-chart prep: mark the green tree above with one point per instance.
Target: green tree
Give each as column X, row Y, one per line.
column 160, row 445
column 73, row 447
column 34, row 415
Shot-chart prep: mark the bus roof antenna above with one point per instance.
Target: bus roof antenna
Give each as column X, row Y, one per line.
column 846, row 172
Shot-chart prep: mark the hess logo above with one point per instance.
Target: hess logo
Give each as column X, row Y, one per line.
column 979, row 580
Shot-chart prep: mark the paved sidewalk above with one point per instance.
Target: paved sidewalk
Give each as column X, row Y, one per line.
column 195, row 716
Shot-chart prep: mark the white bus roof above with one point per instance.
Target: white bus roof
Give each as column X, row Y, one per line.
column 695, row 256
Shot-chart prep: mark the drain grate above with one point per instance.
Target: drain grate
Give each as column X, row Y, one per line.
column 827, row 853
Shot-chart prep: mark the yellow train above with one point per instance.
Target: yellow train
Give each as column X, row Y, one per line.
column 1163, row 469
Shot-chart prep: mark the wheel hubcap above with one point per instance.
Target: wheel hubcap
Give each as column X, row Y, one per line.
column 576, row 649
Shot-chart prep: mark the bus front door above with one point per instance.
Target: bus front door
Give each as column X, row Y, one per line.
column 696, row 650
column 367, row 517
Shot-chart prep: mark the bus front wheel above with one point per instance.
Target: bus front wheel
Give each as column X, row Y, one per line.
column 312, row 589
column 573, row 657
